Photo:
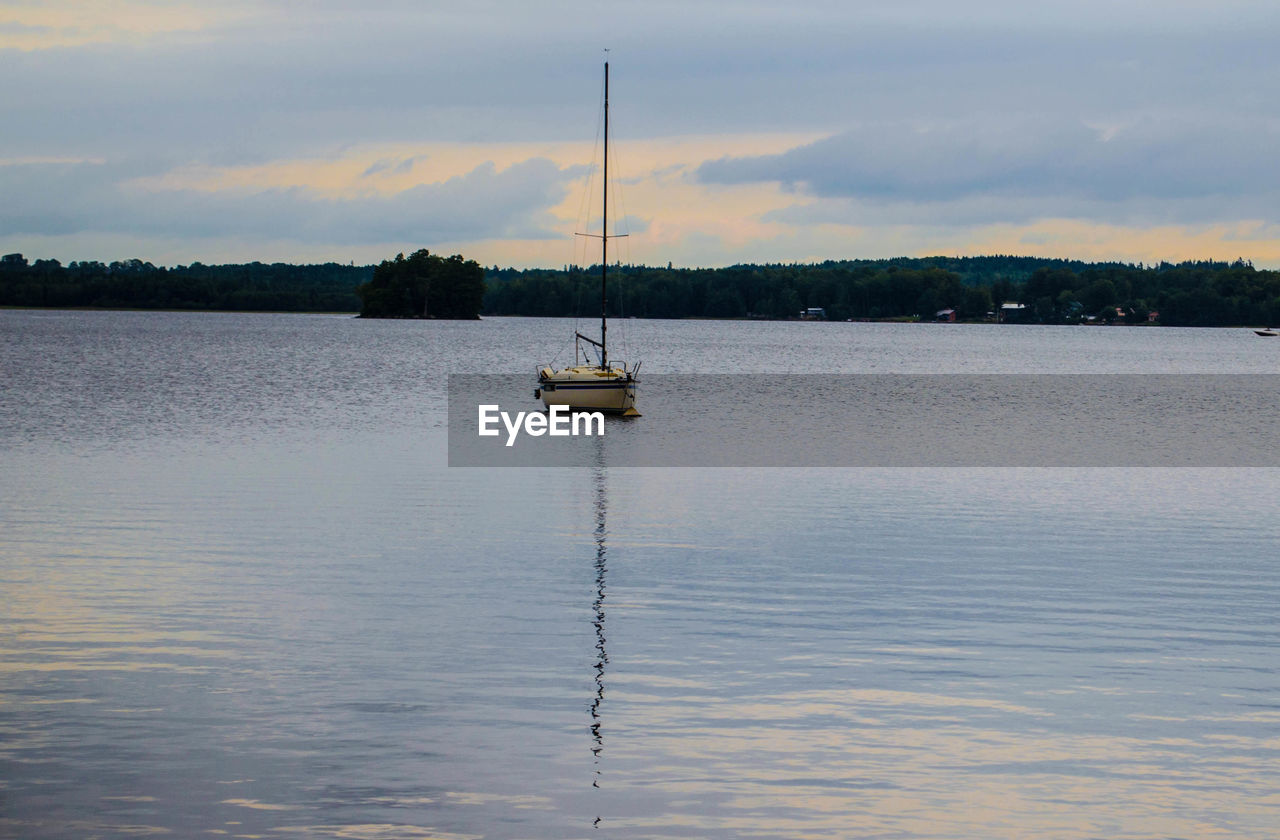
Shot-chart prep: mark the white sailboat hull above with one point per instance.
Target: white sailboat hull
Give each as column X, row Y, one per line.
column 588, row 388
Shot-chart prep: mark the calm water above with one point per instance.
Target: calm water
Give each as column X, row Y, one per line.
column 243, row 596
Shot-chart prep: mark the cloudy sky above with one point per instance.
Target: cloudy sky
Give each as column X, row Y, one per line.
column 746, row 131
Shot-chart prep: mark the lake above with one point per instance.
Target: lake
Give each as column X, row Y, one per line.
column 244, row 596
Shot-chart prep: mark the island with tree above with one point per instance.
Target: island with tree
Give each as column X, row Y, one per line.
column 423, row 285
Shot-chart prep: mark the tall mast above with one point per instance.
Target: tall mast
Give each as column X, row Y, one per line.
column 604, row 231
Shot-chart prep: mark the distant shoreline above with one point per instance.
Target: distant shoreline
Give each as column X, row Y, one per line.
column 1002, row 288
column 8, row 307
column 356, row 316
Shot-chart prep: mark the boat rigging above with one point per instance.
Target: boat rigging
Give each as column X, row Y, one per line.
column 608, row 386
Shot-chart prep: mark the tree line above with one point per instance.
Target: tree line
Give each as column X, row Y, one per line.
column 1051, row 291
column 134, row 284
column 422, row 285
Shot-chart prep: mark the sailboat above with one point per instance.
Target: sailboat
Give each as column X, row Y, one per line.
column 608, row 385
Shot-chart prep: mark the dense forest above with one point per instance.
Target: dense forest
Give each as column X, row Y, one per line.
column 134, row 284
column 1049, row 291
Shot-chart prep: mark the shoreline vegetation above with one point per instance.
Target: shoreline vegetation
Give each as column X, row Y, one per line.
column 1007, row 289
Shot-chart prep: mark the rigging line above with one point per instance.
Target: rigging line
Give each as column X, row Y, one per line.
column 619, row 283
column 622, row 251
column 616, row 193
column 583, row 220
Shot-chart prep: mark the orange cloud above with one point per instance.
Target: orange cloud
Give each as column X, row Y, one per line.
column 66, row 23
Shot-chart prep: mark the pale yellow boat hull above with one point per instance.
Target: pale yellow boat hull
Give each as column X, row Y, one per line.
column 588, row 388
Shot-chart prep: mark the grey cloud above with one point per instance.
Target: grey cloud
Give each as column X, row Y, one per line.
column 330, row 74
column 484, row 203
column 9, row 27
column 1151, row 170
column 377, row 167
column 395, row 167
column 405, row 166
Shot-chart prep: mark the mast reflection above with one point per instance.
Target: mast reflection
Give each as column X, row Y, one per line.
column 602, row 654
